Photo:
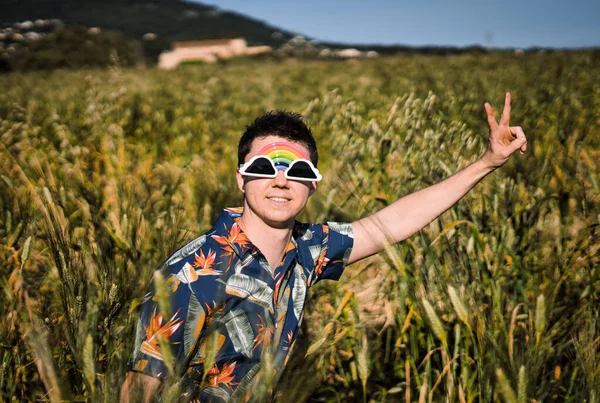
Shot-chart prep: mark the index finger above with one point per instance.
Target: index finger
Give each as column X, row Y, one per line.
column 490, row 116
column 505, row 118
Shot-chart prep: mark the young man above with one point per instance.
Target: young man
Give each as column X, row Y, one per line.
column 237, row 292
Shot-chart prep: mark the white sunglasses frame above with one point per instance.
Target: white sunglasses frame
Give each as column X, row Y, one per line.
column 242, row 169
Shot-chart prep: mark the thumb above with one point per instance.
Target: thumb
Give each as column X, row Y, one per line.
column 518, row 143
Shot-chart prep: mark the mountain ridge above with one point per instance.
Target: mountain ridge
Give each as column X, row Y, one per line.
column 179, row 20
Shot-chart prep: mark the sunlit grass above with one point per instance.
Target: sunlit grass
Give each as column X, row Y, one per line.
column 104, row 173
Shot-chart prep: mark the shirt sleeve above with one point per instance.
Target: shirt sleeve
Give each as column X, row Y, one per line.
column 179, row 329
column 336, row 246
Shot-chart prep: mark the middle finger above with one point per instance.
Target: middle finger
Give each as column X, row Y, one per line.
column 505, row 118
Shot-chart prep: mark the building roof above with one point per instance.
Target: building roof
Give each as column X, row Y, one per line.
column 209, row 42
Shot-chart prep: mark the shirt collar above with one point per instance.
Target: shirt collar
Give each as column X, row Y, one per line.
column 227, row 228
column 227, row 219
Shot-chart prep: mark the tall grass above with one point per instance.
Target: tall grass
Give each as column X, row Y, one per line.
column 104, row 173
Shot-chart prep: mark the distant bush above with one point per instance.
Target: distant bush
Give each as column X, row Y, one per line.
column 71, row 48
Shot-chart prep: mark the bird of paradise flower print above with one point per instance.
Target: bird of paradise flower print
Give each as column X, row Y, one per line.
column 155, row 330
column 205, row 263
column 231, row 242
column 188, row 274
column 264, row 334
column 213, row 312
column 321, row 262
column 221, row 376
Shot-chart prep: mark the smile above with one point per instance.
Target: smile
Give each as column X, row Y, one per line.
column 278, row 199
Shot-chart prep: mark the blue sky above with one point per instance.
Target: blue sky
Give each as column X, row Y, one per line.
column 508, row 23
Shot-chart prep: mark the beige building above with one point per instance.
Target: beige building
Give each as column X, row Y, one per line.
column 208, row 51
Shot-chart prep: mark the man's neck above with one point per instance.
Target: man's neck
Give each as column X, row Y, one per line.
column 270, row 240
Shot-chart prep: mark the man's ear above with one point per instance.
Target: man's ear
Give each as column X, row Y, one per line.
column 240, row 180
column 312, row 189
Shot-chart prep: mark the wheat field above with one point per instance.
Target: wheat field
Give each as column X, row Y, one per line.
column 103, row 173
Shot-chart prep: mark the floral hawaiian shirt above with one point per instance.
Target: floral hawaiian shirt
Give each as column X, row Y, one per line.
column 231, row 311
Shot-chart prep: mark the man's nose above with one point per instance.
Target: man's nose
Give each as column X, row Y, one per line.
column 280, row 179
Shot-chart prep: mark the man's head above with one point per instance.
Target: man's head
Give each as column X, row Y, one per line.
column 286, row 125
column 276, row 201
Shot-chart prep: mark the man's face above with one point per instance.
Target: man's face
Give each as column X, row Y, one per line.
column 276, row 201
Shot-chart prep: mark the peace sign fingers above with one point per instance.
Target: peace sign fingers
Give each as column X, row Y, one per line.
column 503, row 139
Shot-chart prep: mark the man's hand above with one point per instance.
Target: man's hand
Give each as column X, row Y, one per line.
column 138, row 385
column 504, row 140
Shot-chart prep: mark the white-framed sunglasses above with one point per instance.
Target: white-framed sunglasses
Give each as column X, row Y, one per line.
column 261, row 166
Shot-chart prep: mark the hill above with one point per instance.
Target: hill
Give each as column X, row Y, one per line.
column 50, row 34
column 177, row 20
column 169, row 20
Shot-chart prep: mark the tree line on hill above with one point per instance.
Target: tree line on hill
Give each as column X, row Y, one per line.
column 49, row 45
column 68, row 47
column 124, row 24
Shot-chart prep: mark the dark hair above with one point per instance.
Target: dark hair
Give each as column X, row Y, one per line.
column 285, row 124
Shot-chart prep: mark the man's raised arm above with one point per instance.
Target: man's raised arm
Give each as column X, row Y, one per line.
column 409, row 214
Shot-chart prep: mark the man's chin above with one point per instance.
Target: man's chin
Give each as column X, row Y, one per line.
column 280, row 223
column 279, row 217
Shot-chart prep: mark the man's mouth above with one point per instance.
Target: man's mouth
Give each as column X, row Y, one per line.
column 278, row 199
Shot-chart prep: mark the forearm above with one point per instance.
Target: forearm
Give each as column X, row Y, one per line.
column 409, row 214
